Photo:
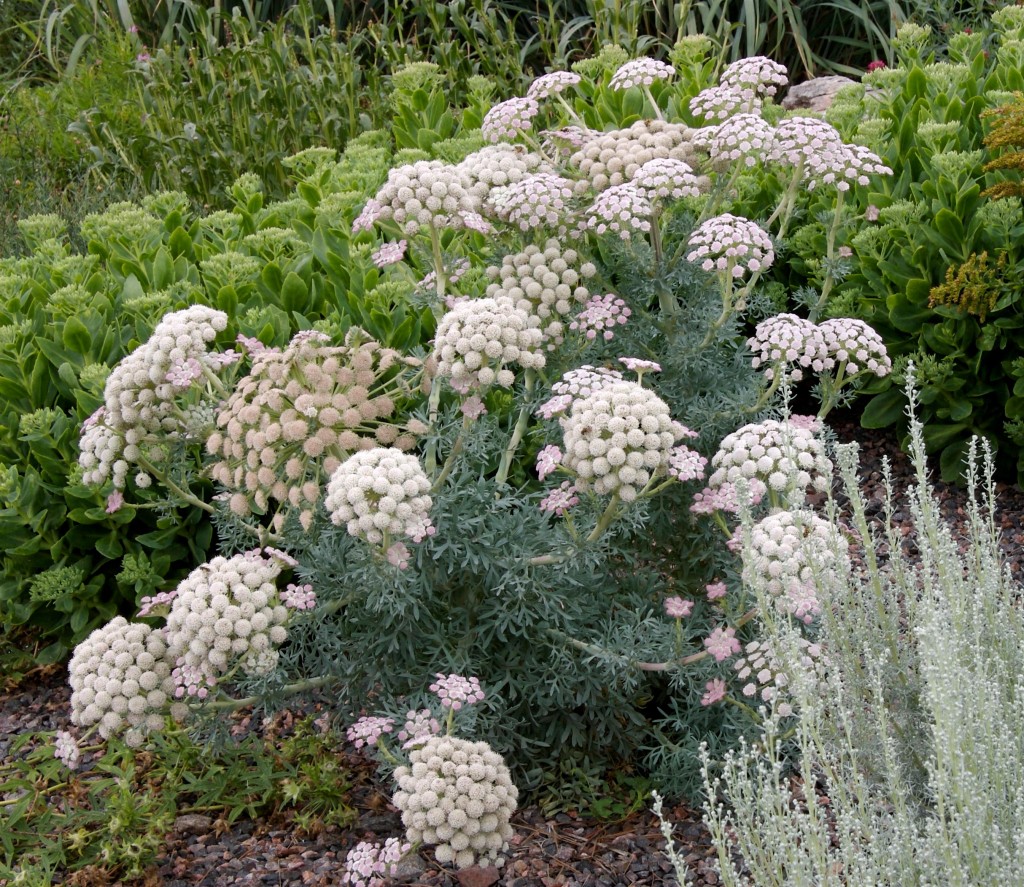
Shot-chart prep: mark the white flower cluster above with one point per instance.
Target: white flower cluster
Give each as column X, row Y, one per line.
column 621, row 209
column 745, row 138
column 731, row 244
column 120, row 678
column 459, row 796
column 541, row 199
column 507, row 120
column 378, row 492
column 226, row 609
column 787, row 339
column 548, row 284
column 756, row 75
column 722, row 102
column 551, row 84
column 297, row 414
column 800, row 556
column 426, row 194
column 477, row 338
column 764, row 675
column 497, row 166
column 784, row 456
column 856, row 344
column 611, row 158
column 667, row 178
column 139, row 398
column 617, row 437
column 640, row 72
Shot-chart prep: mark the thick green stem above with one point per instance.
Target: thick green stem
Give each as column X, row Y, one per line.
column 517, row 432
column 830, row 254
column 288, row 689
column 449, row 463
column 180, row 492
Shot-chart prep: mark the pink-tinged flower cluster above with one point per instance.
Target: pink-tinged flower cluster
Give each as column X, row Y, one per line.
column 600, row 317
column 716, row 590
column 640, row 366
column 559, row 501
column 685, row 464
column 779, row 454
column 506, row 121
column 181, row 375
column 65, row 749
column 585, row 380
column 799, row 557
column 714, row 691
column 640, row 72
column 368, row 217
column 398, row 555
column 732, row 245
column 453, row 274
column 157, row 602
column 455, row 691
column 551, row 84
column 764, row 675
column 473, row 407
column 299, row 597
column 722, row 643
column 677, row 607
column 726, row 497
column 368, row 730
column 373, row 865
column 745, row 138
column 390, row 253
column 856, row 344
column 621, row 209
column 756, row 74
column 541, row 200
column 788, row 340
column 666, row 178
column 816, row 149
column 548, row 459
column 722, row 102
column 419, row 725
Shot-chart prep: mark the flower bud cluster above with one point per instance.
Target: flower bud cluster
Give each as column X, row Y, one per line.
column 722, row 102
column 477, row 339
column 120, row 678
column 142, row 393
column 765, row 676
column 425, row 194
column 745, row 138
column 640, row 72
column 65, row 749
column 667, row 178
column 856, row 344
column 551, row 84
column 459, row 796
column 381, row 492
column 497, row 166
column 782, row 455
column 755, row 75
column 731, row 244
column 508, row 120
column 787, row 339
column 620, row 209
column 801, row 557
column 546, row 283
column 618, row 437
column 611, row 158
column 542, row 199
column 600, row 316
column 454, row 690
column 225, row 610
column 298, row 413
column 373, row 865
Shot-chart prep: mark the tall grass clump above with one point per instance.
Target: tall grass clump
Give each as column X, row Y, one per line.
column 906, row 762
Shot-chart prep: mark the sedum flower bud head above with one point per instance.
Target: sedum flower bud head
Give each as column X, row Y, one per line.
column 459, row 796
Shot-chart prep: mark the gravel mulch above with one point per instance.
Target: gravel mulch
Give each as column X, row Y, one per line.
column 562, row 850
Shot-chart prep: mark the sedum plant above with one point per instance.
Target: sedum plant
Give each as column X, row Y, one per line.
column 910, row 723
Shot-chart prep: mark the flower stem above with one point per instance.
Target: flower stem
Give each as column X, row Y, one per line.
column 517, row 432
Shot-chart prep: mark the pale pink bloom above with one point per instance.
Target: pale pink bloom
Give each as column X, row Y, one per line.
column 722, row 643
column 640, row 72
column 601, row 315
column 548, row 459
column 677, row 607
column 66, row 749
column 507, row 120
column 871, row 213
column 755, row 74
column 282, row 556
column 454, row 690
column 552, row 84
column 299, row 597
column 621, row 209
column 638, row 365
column 149, row 603
column 390, row 253
column 845, row 252
column 418, row 726
column 685, row 464
column 114, row 501
column 715, row 691
column 561, row 500
column 715, row 590
column 366, row 731
column 732, row 244
column 398, row 555
column 473, row 407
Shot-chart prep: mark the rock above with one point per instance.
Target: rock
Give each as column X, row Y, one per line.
column 815, row 94
column 409, row 866
column 478, row 876
column 193, row 824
